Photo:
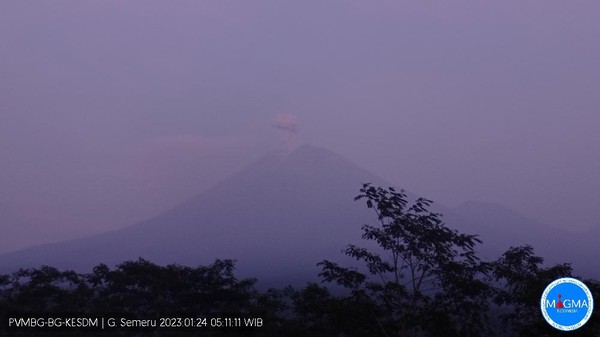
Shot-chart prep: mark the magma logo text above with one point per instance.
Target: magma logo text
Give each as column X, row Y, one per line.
column 567, row 304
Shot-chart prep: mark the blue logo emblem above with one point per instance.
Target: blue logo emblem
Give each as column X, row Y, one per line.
column 567, row 304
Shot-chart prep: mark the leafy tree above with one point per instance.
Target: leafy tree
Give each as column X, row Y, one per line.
column 47, row 288
column 417, row 277
column 520, row 280
column 319, row 313
column 422, row 278
column 141, row 287
column 135, row 289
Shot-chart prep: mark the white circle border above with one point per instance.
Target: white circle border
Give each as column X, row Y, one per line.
column 583, row 287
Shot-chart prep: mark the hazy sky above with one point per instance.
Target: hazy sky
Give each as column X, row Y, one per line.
column 112, row 111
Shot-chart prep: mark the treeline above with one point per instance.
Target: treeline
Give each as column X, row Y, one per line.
column 138, row 290
column 421, row 279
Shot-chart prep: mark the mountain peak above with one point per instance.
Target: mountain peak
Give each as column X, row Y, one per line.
column 306, row 159
column 304, row 150
column 288, row 208
column 309, row 148
column 291, row 209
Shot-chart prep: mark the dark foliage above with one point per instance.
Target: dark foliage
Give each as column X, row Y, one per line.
column 418, row 278
column 142, row 290
column 423, row 279
column 521, row 279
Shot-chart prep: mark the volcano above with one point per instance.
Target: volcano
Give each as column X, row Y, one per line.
column 277, row 217
column 280, row 216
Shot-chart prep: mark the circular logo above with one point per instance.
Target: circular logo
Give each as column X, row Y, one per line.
column 567, row 304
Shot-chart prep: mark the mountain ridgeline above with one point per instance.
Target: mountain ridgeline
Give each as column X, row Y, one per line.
column 281, row 215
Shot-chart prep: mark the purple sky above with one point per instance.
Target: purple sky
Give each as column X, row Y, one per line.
column 113, row 111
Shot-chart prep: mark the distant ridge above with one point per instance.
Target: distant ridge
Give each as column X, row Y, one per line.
column 501, row 227
column 284, row 212
column 281, row 215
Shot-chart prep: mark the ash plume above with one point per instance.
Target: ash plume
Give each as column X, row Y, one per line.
column 288, row 124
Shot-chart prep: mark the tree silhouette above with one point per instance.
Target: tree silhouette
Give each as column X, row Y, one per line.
column 415, row 277
column 422, row 278
column 520, row 281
